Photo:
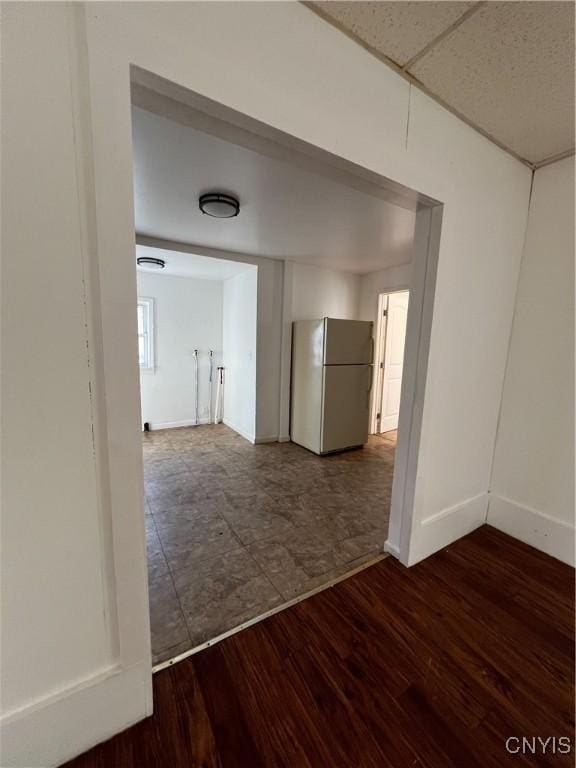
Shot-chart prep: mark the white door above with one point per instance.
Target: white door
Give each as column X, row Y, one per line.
column 397, row 313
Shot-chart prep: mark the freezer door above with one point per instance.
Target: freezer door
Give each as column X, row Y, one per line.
column 345, row 407
column 347, row 342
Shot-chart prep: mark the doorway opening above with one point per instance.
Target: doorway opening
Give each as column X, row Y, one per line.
column 196, row 341
column 197, row 353
column 390, row 339
column 243, row 523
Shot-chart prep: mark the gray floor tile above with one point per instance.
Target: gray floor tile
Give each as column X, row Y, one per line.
column 298, row 562
column 205, row 536
column 157, row 565
column 215, row 504
column 167, row 623
column 159, row 469
column 185, row 491
column 258, row 524
column 219, row 594
column 153, row 545
column 244, row 483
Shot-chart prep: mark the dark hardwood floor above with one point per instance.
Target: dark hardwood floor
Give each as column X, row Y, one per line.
column 437, row 665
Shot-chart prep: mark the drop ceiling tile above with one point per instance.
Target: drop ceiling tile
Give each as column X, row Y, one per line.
column 509, row 69
column 398, row 30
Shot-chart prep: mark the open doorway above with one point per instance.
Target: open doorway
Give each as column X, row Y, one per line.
column 243, row 520
column 196, row 340
column 197, row 356
column 390, row 339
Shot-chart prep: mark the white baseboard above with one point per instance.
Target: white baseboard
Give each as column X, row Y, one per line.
column 254, row 440
column 439, row 530
column 539, row 530
column 174, row 424
column 57, row 728
column 284, row 439
column 392, row 549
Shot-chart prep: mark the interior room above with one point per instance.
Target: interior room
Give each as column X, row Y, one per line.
column 238, row 522
column 345, row 154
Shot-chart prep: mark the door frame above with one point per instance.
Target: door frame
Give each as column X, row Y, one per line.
column 109, row 239
column 381, row 329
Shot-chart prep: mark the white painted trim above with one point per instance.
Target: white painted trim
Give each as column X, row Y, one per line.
column 286, row 353
column 295, row 600
column 451, row 510
column 174, row 424
column 539, row 530
column 83, row 715
column 448, row 525
column 391, row 549
column 157, row 94
column 106, row 111
column 267, row 439
column 403, row 512
column 379, row 336
column 150, row 304
column 380, row 340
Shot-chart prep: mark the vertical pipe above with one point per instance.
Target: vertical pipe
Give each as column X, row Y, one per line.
column 219, row 396
column 210, row 376
column 196, row 376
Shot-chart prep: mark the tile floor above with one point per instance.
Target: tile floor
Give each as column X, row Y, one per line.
column 235, row 529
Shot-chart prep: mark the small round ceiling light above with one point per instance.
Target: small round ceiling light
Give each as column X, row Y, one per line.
column 150, row 263
column 219, row 206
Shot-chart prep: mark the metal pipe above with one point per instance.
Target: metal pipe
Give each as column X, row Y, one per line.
column 210, row 376
column 219, row 396
column 196, row 375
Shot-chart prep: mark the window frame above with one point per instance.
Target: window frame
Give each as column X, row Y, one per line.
column 149, row 334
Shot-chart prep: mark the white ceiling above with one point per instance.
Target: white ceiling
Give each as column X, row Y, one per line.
column 286, row 212
column 507, row 68
column 179, row 264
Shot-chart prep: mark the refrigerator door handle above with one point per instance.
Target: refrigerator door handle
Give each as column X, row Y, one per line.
column 369, row 390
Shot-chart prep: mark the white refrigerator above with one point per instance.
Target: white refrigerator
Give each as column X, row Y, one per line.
column 331, row 383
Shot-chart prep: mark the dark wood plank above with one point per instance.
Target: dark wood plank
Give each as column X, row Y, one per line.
column 433, row 666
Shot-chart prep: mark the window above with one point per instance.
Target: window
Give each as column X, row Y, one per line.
column 146, row 334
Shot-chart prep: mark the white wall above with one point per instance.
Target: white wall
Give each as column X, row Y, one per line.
column 310, row 292
column 318, row 292
column 268, row 349
column 45, row 389
column 483, row 189
column 533, row 479
column 188, row 316
column 78, row 667
column 270, row 308
column 239, row 352
column 63, row 686
column 373, row 284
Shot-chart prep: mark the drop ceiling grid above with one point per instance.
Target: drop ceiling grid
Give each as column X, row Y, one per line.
column 397, row 30
column 510, row 69
column 505, row 68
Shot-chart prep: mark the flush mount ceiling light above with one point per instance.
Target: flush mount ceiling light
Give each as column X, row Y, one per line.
column 150, row 263
column 218, row 205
